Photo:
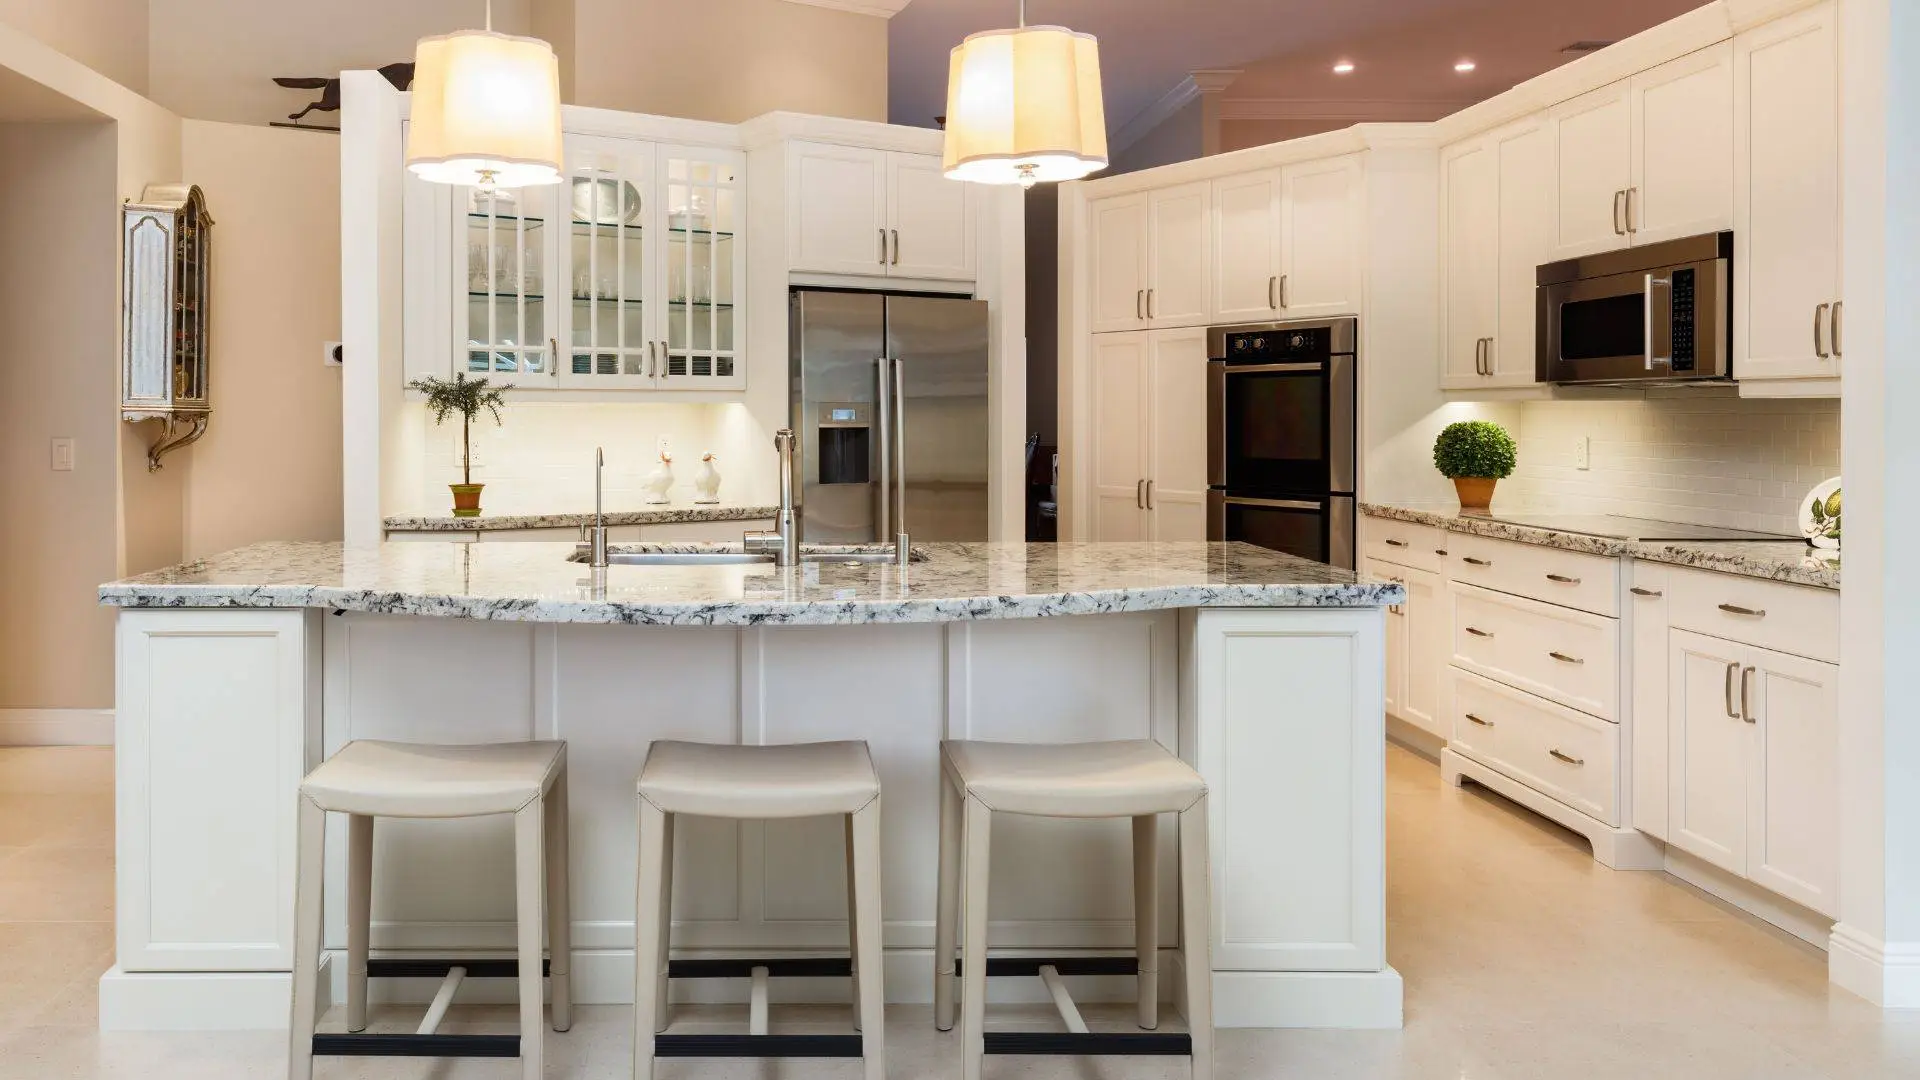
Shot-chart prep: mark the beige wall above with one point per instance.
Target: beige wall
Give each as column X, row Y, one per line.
column 1180, row 137
column 269, row 465
column 729, row 60
column 1240, row 134
column 58, row 539
column 109, row 36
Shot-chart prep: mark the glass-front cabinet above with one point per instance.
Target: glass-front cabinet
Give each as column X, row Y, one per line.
column 624, row 277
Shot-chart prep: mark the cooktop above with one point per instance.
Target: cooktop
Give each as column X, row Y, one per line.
column 1619, row 527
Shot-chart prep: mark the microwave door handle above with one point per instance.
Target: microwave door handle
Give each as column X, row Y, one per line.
column 1653, row 283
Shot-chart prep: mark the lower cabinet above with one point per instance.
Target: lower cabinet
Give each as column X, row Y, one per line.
column 1416, row 647
column 1752, row 770
column 1149, row 439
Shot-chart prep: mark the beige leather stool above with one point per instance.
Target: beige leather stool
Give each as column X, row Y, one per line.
column 368, row 779
column 1136, row 779
column 749, row 782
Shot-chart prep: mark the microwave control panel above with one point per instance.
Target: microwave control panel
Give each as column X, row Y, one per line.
column 1683, row 299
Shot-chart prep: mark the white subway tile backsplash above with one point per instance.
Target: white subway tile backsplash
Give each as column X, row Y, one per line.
column 1695, row 458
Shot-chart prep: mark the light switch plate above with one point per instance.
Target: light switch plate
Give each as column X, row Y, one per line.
column 62, row 453
column 1583, row 452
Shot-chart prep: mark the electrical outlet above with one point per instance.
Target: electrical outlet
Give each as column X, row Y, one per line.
column 1583, row 452
column 663, row 447
column 62, row 453
column 330, row 353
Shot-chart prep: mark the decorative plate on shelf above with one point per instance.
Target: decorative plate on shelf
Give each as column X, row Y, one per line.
column 605, row 202
column 1820, row 515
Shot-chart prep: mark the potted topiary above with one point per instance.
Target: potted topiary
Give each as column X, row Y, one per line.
column 1474, row 454
column 466, row 397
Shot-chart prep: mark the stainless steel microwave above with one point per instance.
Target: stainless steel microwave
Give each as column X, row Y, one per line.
column 1654, row 313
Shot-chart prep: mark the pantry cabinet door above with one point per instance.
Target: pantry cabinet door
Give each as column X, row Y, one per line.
column 1178, row 255
column 1526, row 219
column 1176, row 402
column 1427, row 624
column 1787, row 196
column 930, row 220
column 1246, row 247
column 1470, row 239
column 1683, row 147
column 836, row 209
column 1593, row 146
column 1793, row 827
column 1320, row 211
column 1118, row 228
column 1709, row 750
column 1119, row 427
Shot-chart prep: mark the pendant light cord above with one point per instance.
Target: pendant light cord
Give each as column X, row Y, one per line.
column 490, row 14
column 1023, row 13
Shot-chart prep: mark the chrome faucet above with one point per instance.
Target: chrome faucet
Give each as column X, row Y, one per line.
column 597, row 535
column 784, row 541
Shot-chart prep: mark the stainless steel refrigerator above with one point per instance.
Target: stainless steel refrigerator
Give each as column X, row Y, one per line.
column 889, row 397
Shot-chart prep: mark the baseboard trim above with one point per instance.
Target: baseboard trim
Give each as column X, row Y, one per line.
column 202, row 1000
column 56, row 727
column 1804, row 923
column 1887, row 974
column 1613, row 847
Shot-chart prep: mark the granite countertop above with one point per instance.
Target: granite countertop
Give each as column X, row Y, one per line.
column 659, row 515
column 534, row 582
column 1789, row 561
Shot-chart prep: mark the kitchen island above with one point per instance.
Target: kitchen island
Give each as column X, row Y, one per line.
column 240, row 672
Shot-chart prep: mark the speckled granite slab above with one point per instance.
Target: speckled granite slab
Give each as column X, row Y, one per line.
column 1775, row 560
column 659, row 515
column 534, row 582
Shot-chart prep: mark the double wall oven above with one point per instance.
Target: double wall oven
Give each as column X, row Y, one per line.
column 1280, row 430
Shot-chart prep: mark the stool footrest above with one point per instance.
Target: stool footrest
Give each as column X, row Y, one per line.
column 411, row 968
column 800, row 967
column 757, row 1046
column 1126, row 1043
column 410, row 1045
column 1002, row 966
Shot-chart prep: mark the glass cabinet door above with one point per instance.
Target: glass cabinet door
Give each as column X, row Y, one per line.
column 502, row 314
column 701, row 211
column 611, row 338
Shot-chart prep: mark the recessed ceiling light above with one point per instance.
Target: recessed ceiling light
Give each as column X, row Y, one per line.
column 1343, row 67
column 1463, row 66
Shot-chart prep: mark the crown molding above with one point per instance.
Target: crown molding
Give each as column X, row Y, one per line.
column 1215, row 80
column 885, row 9
column 1355, row 110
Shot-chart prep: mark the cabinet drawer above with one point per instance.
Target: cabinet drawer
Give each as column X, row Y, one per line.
column 1554, row 575
column 1569, row 656
column 1793, row 619
column 1406, row 544
column 1550, row 748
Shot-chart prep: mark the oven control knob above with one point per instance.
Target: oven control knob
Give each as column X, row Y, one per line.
column 1259, row 343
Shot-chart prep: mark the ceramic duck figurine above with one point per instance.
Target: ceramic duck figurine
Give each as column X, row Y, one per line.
column 706, row 480
column 659, row 481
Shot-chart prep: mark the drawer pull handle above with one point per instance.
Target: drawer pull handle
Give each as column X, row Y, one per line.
column 1563, row 579
column 1440, row 551
column 1564, row 658
column 1396, row 543
column 1735, row 609
column 1477, row 632
column 1565, row 758
column 1471, row 561
column 1477, row 720
column 1638, row 591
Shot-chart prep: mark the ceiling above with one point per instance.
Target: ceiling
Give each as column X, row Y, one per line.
column 23, row 100
column 1403, row 50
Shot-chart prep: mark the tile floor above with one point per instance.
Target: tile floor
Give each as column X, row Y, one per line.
column 1523, row 959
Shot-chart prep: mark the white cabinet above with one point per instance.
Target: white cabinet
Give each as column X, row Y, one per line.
column 1246, row 247
column 1787, row 322
column 1286, row 242
column 1646, row 159
column 877, row 213
column 1416, row 646
column 1149, row 450
column 1150, row 256
column 1496, row 228
column 1645, row 642
column 1752, row 767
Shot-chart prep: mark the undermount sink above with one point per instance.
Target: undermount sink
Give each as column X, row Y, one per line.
column 718, row 556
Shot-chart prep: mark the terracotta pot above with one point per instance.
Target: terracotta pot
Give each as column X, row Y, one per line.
column 1476, row 492
column 466, row 499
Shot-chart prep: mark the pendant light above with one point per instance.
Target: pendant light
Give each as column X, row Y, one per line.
column 1024, row 106
column 486, row 110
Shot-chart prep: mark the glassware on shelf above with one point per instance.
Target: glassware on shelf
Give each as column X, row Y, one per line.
column 530, row 275
column 477, row 267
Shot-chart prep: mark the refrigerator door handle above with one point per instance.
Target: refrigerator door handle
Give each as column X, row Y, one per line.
column 883, row 371
column 899, row 446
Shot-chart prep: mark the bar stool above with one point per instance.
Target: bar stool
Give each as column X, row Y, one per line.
column 369, row 779
column 1136, row 779
column 757, row 782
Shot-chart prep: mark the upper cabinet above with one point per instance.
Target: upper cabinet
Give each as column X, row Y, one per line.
column 626, row 276
column 1787, row 317
column 877, row 213
column 1286, row 241
column 1496, row 227
column 1149, row 256
column 1645, row 159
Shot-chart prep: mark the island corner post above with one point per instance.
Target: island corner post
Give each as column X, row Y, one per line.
column 224, row 708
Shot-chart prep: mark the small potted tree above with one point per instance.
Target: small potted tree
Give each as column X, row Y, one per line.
column 1474, row 454
column 466, row 397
